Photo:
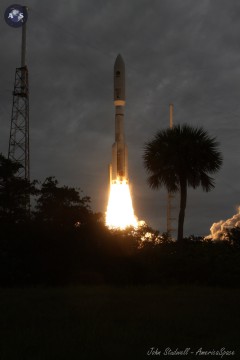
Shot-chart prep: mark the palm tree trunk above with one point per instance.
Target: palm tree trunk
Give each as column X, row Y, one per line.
column 183, row 202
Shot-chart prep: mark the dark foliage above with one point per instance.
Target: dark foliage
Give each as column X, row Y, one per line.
column 62, row 206
column 91, row 254
column 182, row 157
column 233, row 236
column 14, row 193
column 64, row 242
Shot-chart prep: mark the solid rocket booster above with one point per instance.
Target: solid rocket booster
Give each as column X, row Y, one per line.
column 119, row 166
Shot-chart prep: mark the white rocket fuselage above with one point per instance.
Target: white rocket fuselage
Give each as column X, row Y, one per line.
column 119, row 166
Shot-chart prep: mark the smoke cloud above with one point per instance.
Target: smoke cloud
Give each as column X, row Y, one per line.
column 218, row 229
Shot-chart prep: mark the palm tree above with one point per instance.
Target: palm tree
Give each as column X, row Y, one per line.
column 179, row 157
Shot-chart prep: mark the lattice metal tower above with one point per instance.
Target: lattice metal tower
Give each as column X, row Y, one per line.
column 18, row 149
column 170, row 196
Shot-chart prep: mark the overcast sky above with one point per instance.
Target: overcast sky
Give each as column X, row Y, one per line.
column 184, row 52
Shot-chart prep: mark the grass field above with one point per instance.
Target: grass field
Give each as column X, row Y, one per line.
column 104, row 322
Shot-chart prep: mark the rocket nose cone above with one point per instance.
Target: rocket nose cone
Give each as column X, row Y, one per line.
column 119, row 79
column 119, row 61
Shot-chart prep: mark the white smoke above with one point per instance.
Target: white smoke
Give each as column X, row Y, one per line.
column 218, row 229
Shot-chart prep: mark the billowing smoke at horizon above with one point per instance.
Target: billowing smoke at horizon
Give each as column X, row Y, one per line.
column 218, row 229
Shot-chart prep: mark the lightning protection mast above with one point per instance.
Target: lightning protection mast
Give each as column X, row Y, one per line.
column 18, row 149
column 170, row 196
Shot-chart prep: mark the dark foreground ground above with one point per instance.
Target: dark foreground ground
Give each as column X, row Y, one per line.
column 104, row 322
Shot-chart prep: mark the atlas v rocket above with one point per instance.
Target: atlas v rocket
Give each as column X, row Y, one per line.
column 119, row 166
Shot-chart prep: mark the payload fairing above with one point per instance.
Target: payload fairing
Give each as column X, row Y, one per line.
column 119, row 165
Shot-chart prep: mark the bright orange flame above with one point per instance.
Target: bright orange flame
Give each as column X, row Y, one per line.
column 120, row 213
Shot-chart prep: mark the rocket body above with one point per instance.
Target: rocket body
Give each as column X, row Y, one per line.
column 119, row 165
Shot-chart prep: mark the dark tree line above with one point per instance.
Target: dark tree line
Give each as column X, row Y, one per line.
column 36, row 241
column 50, row 203
column 62, row 241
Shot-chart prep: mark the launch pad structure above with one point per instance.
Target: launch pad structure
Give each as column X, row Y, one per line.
column 18, row 149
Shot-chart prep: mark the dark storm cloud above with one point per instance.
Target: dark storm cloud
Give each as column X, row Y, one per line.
column 185, row 52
